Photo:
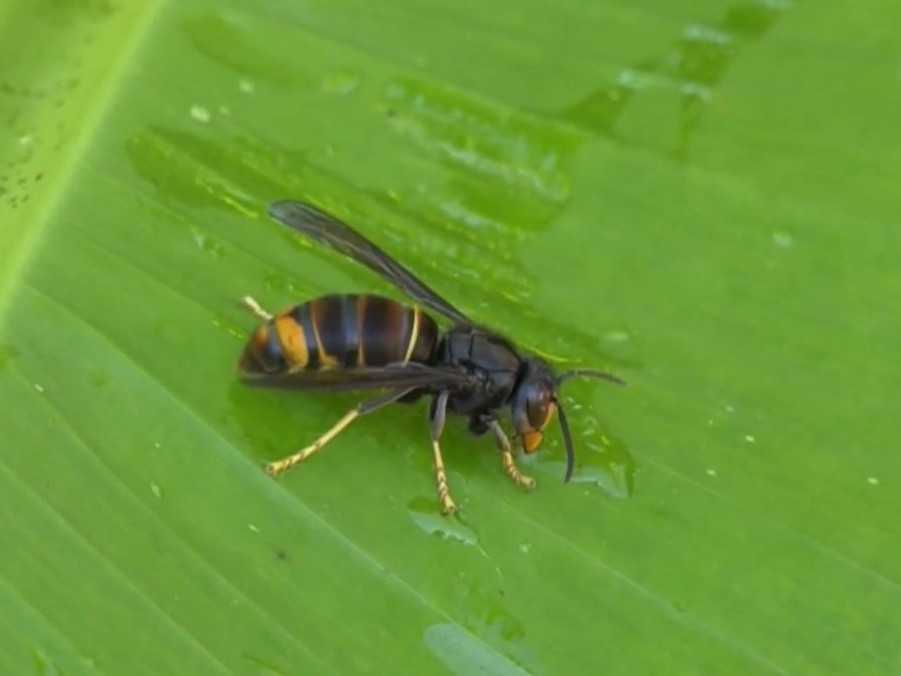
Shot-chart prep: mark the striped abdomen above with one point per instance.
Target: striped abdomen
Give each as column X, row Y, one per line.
column 341, row 331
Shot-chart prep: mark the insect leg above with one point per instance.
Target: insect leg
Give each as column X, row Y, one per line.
column 281, row 466
column 438, row 415
column 503, row 445
column 254, row 307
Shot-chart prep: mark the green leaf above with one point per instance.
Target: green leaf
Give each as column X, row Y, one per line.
column 700, row 198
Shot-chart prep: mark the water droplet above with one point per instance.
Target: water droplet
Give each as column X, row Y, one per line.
column 425, row 515
column 207, row 244
column 461, row 652
column 340, row 82
column 711, row 471
column 701, row 33
column 39, row 388
column 157, row 491
column 873, row 481
column 783, row 239
column 750, row 438
column 730, row 408
column 246, row 86
column 610, row 468
column 525, row 547
column 617, row 336
column 200, row 114
column 253, row 528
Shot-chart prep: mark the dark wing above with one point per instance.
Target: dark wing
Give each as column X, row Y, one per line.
column 395, row 377
column 340, row 236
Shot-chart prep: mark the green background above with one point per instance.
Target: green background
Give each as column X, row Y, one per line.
column 701, row 197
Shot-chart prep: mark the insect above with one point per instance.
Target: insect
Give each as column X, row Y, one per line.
column 367, row 342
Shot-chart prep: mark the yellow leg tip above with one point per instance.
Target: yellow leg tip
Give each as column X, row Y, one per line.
column 448, row 507
column 279, row 467
column 512, row 471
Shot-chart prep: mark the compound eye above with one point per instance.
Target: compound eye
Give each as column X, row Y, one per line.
column 539, row 409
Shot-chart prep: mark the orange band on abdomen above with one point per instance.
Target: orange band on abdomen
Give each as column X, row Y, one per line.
column 294, row 345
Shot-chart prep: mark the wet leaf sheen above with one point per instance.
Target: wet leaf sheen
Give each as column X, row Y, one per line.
column 700, row 198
